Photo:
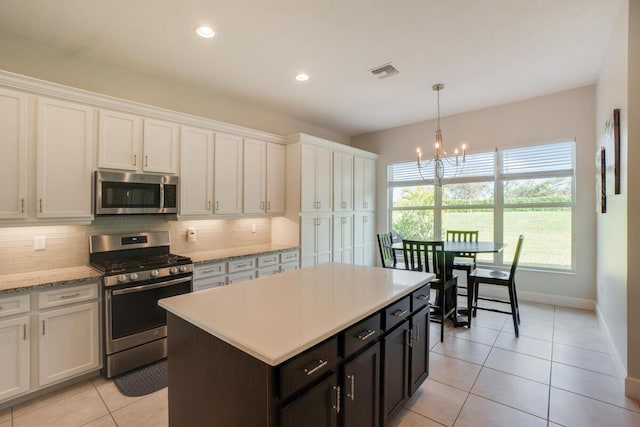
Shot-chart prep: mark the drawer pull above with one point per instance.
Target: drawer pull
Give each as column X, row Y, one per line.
column 76, row 295
column 400, row 313
column 241, row 265
column 352, row 395
column 211, row 270
column 366, row 334
column 321, row 364
column 423, row 297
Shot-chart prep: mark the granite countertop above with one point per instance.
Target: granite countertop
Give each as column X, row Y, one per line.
column 227, row 254
column 44, row 278
column 274, row 318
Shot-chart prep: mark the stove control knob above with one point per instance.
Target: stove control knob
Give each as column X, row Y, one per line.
column 133, row 276
column 173, row 270
column 122, row 278
column 183, row 269
column 154, row 273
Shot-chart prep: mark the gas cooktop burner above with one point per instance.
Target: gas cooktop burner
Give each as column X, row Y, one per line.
column 131, row 265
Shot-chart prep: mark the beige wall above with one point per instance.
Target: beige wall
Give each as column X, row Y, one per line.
column 611, row 92
column 33, row 59
column 568, row 114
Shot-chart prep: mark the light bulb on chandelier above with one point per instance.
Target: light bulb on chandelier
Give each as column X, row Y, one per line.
column 440, row 158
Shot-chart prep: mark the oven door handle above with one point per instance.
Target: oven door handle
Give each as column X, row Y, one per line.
column 148, row 287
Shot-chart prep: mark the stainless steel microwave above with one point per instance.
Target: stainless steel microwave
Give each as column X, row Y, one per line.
column 132, row 193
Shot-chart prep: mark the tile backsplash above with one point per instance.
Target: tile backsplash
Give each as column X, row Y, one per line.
column 68, row 245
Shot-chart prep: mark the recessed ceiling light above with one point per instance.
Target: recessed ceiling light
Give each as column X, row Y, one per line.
column 302, row 77
column 205, row 31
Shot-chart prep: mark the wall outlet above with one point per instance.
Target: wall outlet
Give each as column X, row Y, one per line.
column 253, row 227
column 191, row 234
column 39, row 243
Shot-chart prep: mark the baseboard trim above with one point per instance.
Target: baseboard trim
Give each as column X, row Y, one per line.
column 613, row 350
column 580, row 303
column 632, row 387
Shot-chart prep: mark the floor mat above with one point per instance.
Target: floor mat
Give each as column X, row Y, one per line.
column 143, row 380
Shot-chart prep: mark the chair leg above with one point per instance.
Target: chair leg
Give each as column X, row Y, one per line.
column 515, row 295
column 514, row 310
column 475, row 298
column 442, row 311
column 469, row 302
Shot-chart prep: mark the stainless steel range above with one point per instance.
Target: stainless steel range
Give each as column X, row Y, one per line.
column 138, row 271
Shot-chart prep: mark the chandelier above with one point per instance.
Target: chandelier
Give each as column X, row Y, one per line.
column 440, row 158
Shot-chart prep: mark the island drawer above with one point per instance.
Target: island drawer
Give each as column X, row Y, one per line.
column 397, row 312
column 361, row 334
column 241, row 265
column 307, row 367
column 14, row 304
column 420, row 298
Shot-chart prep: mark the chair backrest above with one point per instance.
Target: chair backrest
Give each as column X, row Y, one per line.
column 463, row 236
column 387, row 254
column 516, row 257
column 427, row 256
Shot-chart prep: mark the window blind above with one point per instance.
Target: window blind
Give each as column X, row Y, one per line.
column 539, row 158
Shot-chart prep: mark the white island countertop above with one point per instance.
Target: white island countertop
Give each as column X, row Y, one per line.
column 276, row 317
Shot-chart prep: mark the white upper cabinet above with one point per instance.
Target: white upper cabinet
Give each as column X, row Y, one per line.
column 64, row 159
column 119, row 140
column 196, row 171
column 13, row 162
column 342, row 181
column 227, row 174
column 275, row 178
column 364, row 173
column 160, row 146
column 316, row 178
column 255, row 175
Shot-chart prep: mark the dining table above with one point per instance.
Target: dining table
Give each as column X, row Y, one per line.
column 451, row 250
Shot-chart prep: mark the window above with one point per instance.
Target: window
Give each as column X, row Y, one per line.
column 502, row 194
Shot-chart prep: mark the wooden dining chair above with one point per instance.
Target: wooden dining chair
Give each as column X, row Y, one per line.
column 499, row 278
column 429, row 256
column 387, row 254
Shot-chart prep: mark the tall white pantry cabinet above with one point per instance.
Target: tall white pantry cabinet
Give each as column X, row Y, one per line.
column 325, row 180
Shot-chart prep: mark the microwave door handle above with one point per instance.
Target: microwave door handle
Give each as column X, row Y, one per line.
column 161, row 207
column 149, row 287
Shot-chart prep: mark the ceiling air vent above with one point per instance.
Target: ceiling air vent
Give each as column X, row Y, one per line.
column 384, row 71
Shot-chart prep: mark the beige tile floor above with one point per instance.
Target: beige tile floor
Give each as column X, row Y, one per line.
column 558, row 373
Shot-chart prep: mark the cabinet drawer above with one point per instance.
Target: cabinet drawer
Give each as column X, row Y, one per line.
column 291, row 256
column 14, row 304
column 64, row 296
column 361, row 334
column 308, row 367
column 242, row 264
column 420, row 298
column 243, row 276
column 289, row 267
column 208, row 270
column 212, row 282
column 397, row 312
column 268, row 271
column 267, row 260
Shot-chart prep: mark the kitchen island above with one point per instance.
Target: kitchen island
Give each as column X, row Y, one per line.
column 278, row 351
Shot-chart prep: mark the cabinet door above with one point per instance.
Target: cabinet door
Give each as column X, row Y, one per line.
column 68, row 342
column 419, row 349
column 227, row 170
column 364, row 183
column 160, row 146
column 318, row 407
column 196, row 171
column 315, row 240
column 323, row 240
column 395, row 371
column 13, row 162
column 361, row 385
column 308, row 178
column 324, row 179
column 118, row 140
column 64, row 165
column 364, row 239
column 255, row 175
column 14, row 357
column 342, row 181
column 343, row 239
column 275, row 178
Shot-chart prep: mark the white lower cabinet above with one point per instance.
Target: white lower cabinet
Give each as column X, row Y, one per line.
column 364, row 239
column 343, row 238
column 14, row 357
column 209, row 275
column 68, row 342
column 315, row 240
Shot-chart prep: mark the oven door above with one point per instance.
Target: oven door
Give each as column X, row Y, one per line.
column 133, row 316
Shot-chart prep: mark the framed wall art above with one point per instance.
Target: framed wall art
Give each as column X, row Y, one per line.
column 612, row 146
column 601, row 181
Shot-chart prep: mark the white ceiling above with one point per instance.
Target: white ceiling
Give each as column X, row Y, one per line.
column 486, row 52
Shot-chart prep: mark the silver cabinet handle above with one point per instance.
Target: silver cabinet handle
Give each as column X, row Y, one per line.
column 268, row 206
column 22, row 204
column 40, row 205
column 77, row 294
column 146, row 161
column 135, row 160
column 208, row 204
column 423, row 297
column 408, row 337
column 366, row 334
column 261, row 205
column 211, row 270
column 352, row 395
column 24, row 332
column 43, row 327
column 400, row 313
column 217, row 205
column 321, row 364
column 337, row 405
column 417, row 336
